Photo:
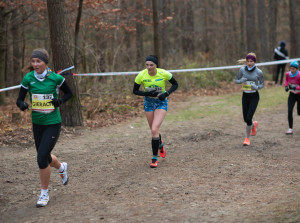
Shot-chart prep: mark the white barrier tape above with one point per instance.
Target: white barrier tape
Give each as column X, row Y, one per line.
column 172, row 71
column 191, row 70
column 10, row 88
column 61, row 71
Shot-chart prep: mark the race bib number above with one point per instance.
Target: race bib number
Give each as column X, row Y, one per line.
column 156, row 89
column 41, row 103
column 247, row 86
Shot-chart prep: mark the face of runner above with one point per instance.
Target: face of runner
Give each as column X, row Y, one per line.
column 151, row 67
column 38, row 65
column 293, row 70
column 250, row 63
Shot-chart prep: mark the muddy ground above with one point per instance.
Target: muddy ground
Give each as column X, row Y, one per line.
column 207, row 175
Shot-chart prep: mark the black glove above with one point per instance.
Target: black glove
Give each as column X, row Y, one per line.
column 163, row 96
column 292, row 87
column 152, row 94
column 286, row 88
column 23, row 106
column 57, row 102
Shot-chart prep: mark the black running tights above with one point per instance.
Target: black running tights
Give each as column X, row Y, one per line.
column 45, row 137
column 249, row 103
column 293, row 98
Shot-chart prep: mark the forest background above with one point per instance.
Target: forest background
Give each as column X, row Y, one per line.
column 116, row 35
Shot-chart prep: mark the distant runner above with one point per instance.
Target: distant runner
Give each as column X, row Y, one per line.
column 155, row 103
column 252, row 80
column 42, row 85
column 292, row 84
column 280, row 53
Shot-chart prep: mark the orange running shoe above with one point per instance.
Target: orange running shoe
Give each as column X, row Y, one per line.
column 162, row 151
column 254, row 128
column 153, row 164
column 246, row 142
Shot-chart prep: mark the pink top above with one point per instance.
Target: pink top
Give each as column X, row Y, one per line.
column 293, row 81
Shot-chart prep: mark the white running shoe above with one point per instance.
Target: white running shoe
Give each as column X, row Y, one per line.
column 289, row 132
column 43, row 200
column 64, row 174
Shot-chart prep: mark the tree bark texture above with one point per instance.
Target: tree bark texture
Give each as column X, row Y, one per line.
column 261, row 12
column 165, row 32
column 77, row 27
column 272, row 25
column 17, row 39
column 250, row 23
column 139, row 37
column 294, row 27
column 59, row 35
column 155, row 30
column 2, row 52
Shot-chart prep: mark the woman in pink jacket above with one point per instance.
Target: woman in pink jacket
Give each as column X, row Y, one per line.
column 292, row 84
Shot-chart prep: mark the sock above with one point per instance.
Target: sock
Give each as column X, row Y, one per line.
column 61, row 168
column 44, row 191
column 155, row 145
column 159, row 139
column 248, row 131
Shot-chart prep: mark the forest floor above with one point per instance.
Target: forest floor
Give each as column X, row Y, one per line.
column 207, row 175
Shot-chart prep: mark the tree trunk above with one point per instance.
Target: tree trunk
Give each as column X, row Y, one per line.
column 242, row 27
column 165, row 32
column 59, row 35
column 77, row 27
column 155, row 30
column 250, row 21
column 2, row 52
column 101, row 46
column 16, row 35
column 295, row 28
column 189, row 35
column 272, row 25
column 139, row 36
column 261, row 11
column 9, row 79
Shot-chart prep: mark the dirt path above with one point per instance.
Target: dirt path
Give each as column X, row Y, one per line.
column 207, row 176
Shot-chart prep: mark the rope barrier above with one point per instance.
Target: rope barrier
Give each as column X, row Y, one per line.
column 172, row 71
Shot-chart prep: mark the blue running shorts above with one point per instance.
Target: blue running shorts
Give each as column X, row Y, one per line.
column 150, row 104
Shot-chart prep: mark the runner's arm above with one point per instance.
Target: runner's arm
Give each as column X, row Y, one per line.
column 173, row 87
column 20, row 100
column 239, row 77
column 136, row 91
column 168, row 92
column 261, row 81
column 67, row 95
column 67, row 92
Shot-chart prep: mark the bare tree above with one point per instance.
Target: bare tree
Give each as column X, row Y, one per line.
column 70, row 111
column 164, row 31
column 2, row 51
column 272, row 24
column 77, row 27
column 261, row 12
column 295, row 27
column 250, row 21
column 139, row 35
column 155, row 29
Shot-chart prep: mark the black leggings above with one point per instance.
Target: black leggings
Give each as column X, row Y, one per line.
column 45, row 137
column 249, row 102
column 293, row 98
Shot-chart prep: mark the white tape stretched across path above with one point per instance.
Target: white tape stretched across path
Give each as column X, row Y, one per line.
column 173, row 71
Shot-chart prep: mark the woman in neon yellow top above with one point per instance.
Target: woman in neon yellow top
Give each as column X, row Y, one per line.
column 153, row 80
